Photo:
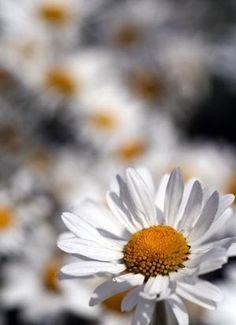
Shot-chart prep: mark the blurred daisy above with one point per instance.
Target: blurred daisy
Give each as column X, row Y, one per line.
column 156, row 244
column 131, row 23
column 107, row 114
column 69, row 79
column 11, row 226
column 58, row 20
column 23, row 206
column 68, row 171
column 197, row 161
column 185, row 63
column 32, row 283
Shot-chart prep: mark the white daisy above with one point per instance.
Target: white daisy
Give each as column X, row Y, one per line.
column 156, row 244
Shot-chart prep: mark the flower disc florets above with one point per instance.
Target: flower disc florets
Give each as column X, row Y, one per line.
column 156, row 250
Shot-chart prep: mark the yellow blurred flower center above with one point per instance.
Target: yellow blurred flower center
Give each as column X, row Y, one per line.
column 113, row 303
column 157, row 250
column 105, row 121
column 6, row 79
column 40, row 159
column 57, row 14
column 146, row 85
column 231, row 185
column 61, row 80
column 6, row 218
column 131, row 150
column 10, row 138
column 127, row 35
column 50, row 276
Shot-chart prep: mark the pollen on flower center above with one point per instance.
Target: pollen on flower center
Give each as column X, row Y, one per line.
column 157, row 250
column 54, row 13
column 6, row 218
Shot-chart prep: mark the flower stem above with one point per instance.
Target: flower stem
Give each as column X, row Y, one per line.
column 160, row 314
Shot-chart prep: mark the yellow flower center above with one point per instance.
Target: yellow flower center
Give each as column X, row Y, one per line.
column 127, row 35
column 113, row 303
column 50, row 276
column 57, row 14
column 146, row 85
column 6, row 218
column 62, row 81
column 131, row 150
column 157, row 250
column 103, row 121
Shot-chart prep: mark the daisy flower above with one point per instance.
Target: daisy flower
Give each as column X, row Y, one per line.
column 153, row 245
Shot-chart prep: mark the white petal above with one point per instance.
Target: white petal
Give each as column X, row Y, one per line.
column 111, row 287
column 202, row 293
column 143, row 312
column 215, row 227
column 160, row 196
column 130, row 300
column 71, row 244
column 232, row 250
column 130, row 277
column 142, row 197
column 121, row 212
column 160, row 216
column 93, row 252
column 225, row 202
column 193, row 206
column 206, row 218
column 174, row 194
column 179, row 310
column 85, row 268
column 100, row 218
column 215, row 261
column 155, row 286
column 127, row 204
column 147, row 177
column 81, row 228
column 223, row 243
